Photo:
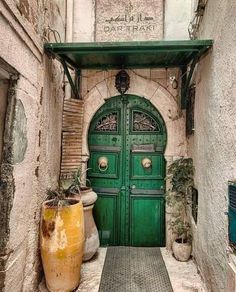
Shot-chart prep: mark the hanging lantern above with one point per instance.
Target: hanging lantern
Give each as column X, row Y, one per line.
column 122, row 82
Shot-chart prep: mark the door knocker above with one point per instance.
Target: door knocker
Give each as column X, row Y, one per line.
column 102, row 163
column 146, row 162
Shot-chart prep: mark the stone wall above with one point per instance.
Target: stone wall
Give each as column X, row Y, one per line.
column 178, row 14
column 128, row 20
column 213, row 145
column 83, row 20
column 32, row 138
column 104, row 20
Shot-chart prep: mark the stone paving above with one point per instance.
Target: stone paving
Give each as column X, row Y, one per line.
column 91, row 272
column 184, row 276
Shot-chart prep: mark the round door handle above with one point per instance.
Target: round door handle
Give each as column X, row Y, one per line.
column 133, row 187
column 146, row 162
column 102, row 163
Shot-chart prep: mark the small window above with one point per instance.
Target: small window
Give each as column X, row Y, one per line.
column 232, row 214
column 194, row 204
column 190, row 111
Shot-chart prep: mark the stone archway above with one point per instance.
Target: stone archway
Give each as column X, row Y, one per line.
column 162, row 100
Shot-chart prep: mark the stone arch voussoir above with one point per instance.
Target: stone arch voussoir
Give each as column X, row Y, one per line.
column 163, row 101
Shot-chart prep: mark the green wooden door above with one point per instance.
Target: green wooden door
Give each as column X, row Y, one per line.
column 128, row 133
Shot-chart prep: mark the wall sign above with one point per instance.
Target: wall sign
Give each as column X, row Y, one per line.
column 129, row 20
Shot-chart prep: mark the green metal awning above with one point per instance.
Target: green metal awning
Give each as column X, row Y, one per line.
column 129, row 54
column 117, row 55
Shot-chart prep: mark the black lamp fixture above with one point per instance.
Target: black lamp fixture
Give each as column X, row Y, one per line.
column 122, row 81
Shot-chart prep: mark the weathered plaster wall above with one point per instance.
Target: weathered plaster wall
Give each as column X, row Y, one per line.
column 178, row 14
column 107, row 21
column 84, row 20
column 213, row 146
column 103, row 20
column 32, row 140
column 3, row 105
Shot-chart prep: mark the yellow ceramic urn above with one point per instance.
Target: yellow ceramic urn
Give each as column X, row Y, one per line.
column 62, row 244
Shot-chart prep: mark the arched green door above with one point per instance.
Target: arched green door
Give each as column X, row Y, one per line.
column 128, row 133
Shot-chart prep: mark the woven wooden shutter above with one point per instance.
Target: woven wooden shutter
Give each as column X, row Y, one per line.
column 71, row 137
column 232, row 213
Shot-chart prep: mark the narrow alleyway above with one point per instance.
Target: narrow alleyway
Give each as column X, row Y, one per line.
column 125, row 112
column 184, row 276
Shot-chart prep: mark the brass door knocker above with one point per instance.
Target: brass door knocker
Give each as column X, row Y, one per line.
column 146, row 162
column 102, row 163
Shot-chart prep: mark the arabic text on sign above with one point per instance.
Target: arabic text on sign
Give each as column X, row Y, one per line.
column 126, row 18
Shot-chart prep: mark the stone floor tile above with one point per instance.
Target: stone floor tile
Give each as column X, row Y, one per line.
column 184, row 276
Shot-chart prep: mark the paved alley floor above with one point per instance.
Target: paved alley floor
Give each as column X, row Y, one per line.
column 183, row 275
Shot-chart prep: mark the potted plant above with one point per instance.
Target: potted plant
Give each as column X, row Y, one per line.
column 180, row 174
column 80, row 190
column 61, row 241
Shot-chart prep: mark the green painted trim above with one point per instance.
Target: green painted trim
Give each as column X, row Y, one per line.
column 130, row 55
column 72, row 83
column 127, row 46
column 87, row 53
column 185, row 87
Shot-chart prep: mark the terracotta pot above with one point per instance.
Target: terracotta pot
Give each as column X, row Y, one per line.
column 182, row 251
column 62, row 244
column 92, row 243
column 88, row 196
column 91, row 234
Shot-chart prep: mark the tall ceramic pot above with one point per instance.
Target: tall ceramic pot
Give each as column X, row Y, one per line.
column 91, row 234
column 62, row 244
column 88, row 198
column 182, row 250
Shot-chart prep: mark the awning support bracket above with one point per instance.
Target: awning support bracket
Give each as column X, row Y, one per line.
column 74, row 84
column 112, row 55
column 186, row 80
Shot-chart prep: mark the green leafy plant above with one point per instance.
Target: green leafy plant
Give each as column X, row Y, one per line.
column 78, row 183
column 182, row 229
column 57, row 197
column 180, row 174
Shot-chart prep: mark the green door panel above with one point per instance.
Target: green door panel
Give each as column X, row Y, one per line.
column 112, row 171
column 139, row 173
column 147, row 221
column 130, row 206
column 106, row 207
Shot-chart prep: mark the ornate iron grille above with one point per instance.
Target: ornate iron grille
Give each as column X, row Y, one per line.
column 144, row 123
column 108, row 123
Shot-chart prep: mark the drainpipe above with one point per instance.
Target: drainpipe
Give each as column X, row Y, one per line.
column 69, row 38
